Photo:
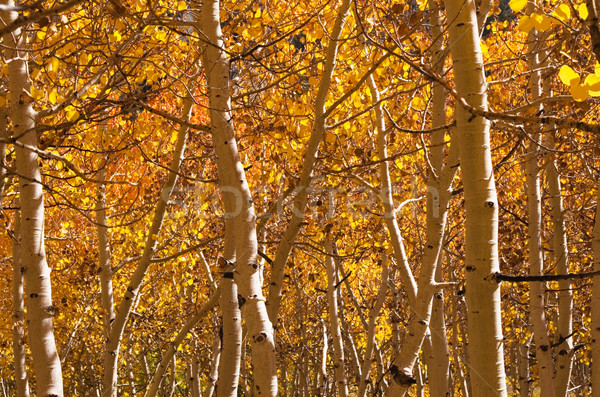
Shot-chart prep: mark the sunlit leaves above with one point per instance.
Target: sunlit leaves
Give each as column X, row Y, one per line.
column 563, row 12
column 580, row 92
column 568, row 76
column 517, row 5
column 583, row 11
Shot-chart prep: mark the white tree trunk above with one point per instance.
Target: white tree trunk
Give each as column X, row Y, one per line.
column 231, row 343
column 486, row 350
column 40, row 309
column 537, row 290
column 214, row 367
column 564, row 358
column 233, row 184
column 334, row 322
column 104, row 262
column 194, row 377
column 523, row 367
column 18, row 330
column 595, row 304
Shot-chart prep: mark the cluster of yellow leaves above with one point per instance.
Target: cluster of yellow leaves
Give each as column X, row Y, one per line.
column 581, row 91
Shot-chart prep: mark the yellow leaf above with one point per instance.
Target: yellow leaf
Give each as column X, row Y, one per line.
column 182, row 6
column 583, row 11
column 72, row 114
column 517, row 5
column 592, row 82
column 418, row 103
column 579, row 92
column 562, row 12
column 541, row 22
column 525, row 24
column 53, row 97
column 568, row 76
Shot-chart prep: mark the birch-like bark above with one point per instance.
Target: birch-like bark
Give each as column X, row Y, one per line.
column 194, row 376
column 18, row 330
column 172, row 373
column 322, row 382
column 595, row 304
column 40, row 310
column 438, row 362
column 536, row 255
column 523, row 367
column 536, row 268
column 310, row 158
column 564, row 358
column 214, row 367
column 113, row 343
column 230, row 357
column 334, row 322
column 486, row 350
column 5, row 134
column 104, row 262
column 437, row 207
column 167, row 358
column 373, row 315
column 232, row 181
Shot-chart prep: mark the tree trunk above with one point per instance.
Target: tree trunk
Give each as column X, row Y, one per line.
column 213, row 375
column 595, row 304
column 486, row 350
column 18, row 331
column 233, row 184
column 334, row 322
column 104, row 262
column 40, row 309
column 231, row 343
column 536, row 254
column 564, row 358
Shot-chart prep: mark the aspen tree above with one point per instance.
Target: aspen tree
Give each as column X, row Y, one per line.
column 536, row 255
column 564, row 358
column 40, row 308
column 334, row 322
column 486, row 357
column 440, row 177
column 596, row 301
column 232, row 181
column 18, row 329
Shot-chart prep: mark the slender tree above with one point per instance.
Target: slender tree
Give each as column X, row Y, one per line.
column 40, row 308
column 481, row 205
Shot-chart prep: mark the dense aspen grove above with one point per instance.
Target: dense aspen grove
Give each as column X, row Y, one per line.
column 299, row 198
